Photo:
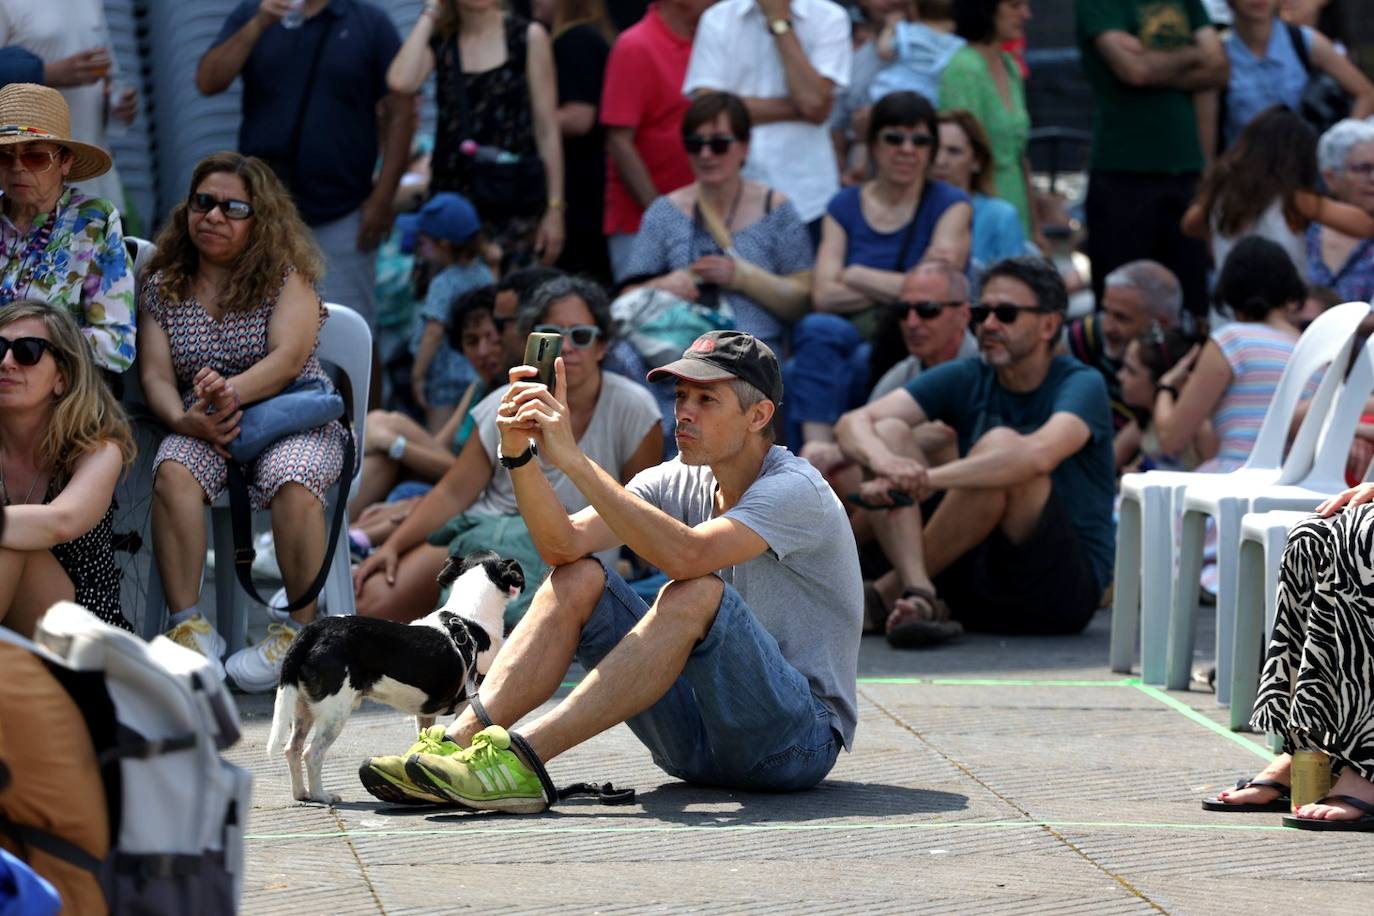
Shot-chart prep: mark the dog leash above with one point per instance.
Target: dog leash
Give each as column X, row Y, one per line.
column 606, row 793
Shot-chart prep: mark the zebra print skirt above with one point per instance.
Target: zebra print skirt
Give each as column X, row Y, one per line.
column 1317, row 686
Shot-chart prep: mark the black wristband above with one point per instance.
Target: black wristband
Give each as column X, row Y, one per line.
column 519, row 460
column 1173, row 392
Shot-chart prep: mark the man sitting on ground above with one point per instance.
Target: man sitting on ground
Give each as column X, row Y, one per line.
column 743, row 672
column 1022, row 539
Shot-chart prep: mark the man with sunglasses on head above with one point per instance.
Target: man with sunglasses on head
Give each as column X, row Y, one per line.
column 1015, row 535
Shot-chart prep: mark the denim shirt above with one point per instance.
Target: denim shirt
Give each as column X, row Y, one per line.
column 1277, row 78
column 1354, row 281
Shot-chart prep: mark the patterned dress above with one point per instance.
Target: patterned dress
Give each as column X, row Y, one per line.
column 75, row 258
column 88, row 561
column 498, row 103
column 1317, row 685
column 230, row 346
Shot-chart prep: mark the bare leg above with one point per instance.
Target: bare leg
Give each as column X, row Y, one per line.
column 532, row 663
column 637, row 672
column 179, row 534
column 31, row 581
column 898, row 530
column 298, row 535
column 415, row 593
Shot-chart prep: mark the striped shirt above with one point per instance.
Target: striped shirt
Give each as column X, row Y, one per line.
column 1257, row 355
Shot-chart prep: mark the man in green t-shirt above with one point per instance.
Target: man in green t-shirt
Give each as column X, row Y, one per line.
column 1152, row 65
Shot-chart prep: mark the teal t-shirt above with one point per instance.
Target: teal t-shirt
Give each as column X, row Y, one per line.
column 1145, row 129
column 965, row 394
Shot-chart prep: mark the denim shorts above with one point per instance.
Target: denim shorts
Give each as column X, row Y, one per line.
column 739, row 715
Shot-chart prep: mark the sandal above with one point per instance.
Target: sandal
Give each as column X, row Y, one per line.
column 931, row 630
column 1281, row 803
column 875, row 611
column 1362, row 824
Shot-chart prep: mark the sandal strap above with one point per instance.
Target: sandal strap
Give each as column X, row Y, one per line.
column 1244, row 783
column 1358, row 804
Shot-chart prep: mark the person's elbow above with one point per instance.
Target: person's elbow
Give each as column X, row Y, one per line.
column 401, row 82
column 846, row 426
column 816, row 108
column 556, row 555
column 208, row 81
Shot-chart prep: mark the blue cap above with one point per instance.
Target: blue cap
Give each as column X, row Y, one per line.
column 406, row 224
column 449, row 217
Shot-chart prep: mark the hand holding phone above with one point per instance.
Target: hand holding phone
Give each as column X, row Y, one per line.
column 541, row 349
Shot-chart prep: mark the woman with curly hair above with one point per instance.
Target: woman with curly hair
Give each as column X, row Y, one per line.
column 229, row 316
column 64, row 441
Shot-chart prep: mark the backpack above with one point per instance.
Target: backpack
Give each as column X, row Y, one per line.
column 158, row 717
column 660, row 326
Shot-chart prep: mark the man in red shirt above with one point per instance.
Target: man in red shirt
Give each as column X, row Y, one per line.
column 641, row 108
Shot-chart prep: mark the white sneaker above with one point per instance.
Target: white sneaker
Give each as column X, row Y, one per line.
column 255, row 669
column 265, row 563
column 277, row 603
column 197, row 635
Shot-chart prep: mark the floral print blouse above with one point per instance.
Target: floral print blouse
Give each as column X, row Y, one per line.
column 83, row 267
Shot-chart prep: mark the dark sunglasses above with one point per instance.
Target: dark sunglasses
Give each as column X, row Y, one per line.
column 926, row 310
column 580, row 336
column 232, row 209
column 27, row 350
column 918, row 139
column 720, row 144
column 1006, row 312
column 35, row 160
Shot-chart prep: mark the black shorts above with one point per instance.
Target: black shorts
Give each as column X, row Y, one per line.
column 1045, row 585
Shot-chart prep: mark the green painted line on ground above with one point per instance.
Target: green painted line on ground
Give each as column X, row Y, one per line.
column 1155, row 693
column 506, row 827
column 994, row 682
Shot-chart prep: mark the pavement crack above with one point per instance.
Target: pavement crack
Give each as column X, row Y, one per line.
column 362, row 866
column 1120, row 879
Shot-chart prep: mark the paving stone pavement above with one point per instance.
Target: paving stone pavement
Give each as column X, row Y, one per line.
column 998, row 775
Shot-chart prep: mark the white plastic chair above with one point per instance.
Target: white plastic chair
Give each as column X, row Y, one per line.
column 345, row 342
column 1308, row 475
column 1150, row 501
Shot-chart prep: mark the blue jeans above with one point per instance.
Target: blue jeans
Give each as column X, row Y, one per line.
column 739, row 715
column 827, row 374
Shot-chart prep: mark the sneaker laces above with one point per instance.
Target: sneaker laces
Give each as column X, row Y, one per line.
column 277, row 641
column 184, row 634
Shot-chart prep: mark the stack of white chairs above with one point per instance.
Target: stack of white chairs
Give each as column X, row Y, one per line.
column 1150, row 502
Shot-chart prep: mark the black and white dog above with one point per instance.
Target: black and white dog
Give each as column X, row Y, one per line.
column 422, row 668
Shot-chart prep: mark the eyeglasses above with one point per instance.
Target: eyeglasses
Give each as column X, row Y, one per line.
column 918, row 139
column 925, row 310
column 1363, row 169
column 1006, row 312
column 719, row 144
column 580, row 336
column 232, row 209
column 27, row 350
column 34, row 160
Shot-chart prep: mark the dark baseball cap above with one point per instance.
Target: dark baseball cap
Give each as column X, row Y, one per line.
column 719, row 355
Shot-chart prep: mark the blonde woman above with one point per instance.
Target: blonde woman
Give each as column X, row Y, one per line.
column 229, row 316
column 498, row 91
column 64, row 441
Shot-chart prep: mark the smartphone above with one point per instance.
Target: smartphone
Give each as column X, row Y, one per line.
column 540, row 351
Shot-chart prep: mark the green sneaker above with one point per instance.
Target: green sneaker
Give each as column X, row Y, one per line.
column 487, row 776
column 385, row 777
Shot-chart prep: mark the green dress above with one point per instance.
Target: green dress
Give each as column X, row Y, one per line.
column 967, row 83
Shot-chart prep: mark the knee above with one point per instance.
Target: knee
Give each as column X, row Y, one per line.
column 999, row 437
column 894, row 432
column 294, row 503
column 693, row 601
column 175, row 484
column 576, row 583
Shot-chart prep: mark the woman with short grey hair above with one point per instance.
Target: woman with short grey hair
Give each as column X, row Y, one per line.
column 1345, row 263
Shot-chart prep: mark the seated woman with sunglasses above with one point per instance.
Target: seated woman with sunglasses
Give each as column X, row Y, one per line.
column 229, row 316
column 56, row 244
column 64, row 442
column 763, row 268
column 616, row 422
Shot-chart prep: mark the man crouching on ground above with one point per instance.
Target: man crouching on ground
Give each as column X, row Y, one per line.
column 742, row 673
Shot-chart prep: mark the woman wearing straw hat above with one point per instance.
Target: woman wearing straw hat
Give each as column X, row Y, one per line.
column 56, row 244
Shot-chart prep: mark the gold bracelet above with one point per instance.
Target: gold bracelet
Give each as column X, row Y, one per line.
column 557, row 203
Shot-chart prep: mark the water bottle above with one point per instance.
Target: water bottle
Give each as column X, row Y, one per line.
column 483, row 153
column 294, row 16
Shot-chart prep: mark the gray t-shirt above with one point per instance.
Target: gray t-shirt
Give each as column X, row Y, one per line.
column 624, row 414
column 806, row 589
column 909, row 368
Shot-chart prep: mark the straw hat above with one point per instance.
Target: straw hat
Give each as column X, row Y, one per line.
column 31, row 112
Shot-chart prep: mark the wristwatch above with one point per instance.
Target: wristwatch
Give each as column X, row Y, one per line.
column 519, row 460
column 398, row 448
column 780, row 27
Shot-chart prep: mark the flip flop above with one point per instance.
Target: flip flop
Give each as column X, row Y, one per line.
column 922, row 634
column 1281, row 803
column 900, row 498
column 1362, row 824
